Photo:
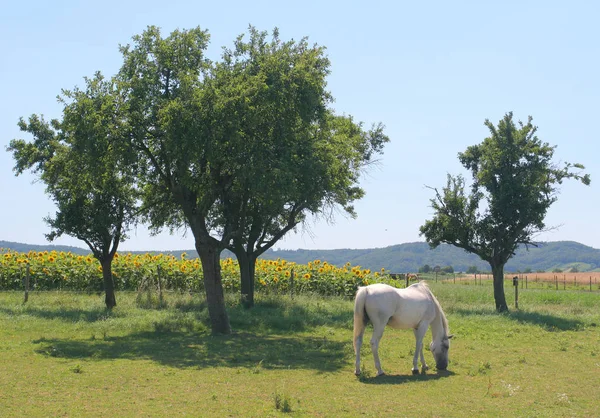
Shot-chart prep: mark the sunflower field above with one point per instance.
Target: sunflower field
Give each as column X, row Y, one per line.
column 52, row 270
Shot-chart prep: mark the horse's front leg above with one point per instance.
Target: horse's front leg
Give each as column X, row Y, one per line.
column 419, row 335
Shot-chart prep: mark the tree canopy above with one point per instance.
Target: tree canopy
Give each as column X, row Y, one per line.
column 514, row 182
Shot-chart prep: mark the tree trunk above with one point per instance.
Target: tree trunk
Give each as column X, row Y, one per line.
column 247, row 264
column 499, row 297
column 109, row 285
column 215, row 298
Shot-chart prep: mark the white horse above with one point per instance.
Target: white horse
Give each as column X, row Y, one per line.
column 414, row 307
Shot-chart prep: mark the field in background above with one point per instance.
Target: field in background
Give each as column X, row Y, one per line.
column 63, row 354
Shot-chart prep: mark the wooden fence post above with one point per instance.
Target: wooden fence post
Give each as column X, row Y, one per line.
column 158, row 280
column 516, row 285
column 26, row 283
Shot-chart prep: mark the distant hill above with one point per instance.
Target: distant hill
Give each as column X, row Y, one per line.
column 408, row 257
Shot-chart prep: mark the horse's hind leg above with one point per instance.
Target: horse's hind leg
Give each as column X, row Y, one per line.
column 359, row 331
column 377, row 334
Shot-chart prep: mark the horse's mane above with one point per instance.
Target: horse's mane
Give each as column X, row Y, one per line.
column 438, row 306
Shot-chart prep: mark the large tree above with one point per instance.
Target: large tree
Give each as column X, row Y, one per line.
column 86, row 174
column 225, row 147
column 514, row 183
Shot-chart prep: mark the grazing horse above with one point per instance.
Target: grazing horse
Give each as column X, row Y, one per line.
column 414, row 307
column 412, row 276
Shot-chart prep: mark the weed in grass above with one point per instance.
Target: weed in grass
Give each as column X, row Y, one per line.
column 258, row 368
column 77, row 369
column 283, row 402
column 365, row 374
column 483, row 369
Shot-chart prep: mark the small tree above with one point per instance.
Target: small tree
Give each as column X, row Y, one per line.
column 448, row 269
column 79, row 160
column 472, row 270
column 425, row 269
column 514, row 184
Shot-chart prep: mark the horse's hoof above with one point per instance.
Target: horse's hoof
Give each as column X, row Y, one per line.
column 381, row 374
column 357, row 373
column 415, row 371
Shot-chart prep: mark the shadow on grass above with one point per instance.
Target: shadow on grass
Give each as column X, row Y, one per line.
column 388, row 379
column 546, row 321
column 65, row 314
column 187, row 349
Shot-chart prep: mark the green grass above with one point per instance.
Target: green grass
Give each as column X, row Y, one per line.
column 64, row 355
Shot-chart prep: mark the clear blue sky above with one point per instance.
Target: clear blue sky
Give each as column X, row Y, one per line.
column 432, row 72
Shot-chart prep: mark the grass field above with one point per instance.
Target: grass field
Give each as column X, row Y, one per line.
column 64, row 355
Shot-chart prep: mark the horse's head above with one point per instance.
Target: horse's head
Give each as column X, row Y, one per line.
column 440, row 352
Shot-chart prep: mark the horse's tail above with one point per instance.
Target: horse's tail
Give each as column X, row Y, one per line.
column 360, row 314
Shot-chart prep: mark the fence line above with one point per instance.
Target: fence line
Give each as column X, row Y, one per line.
column 536, row 282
